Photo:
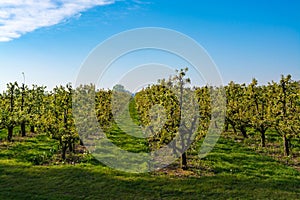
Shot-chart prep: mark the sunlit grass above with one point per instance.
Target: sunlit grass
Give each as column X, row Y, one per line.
column 233, row 172
column 29, row 169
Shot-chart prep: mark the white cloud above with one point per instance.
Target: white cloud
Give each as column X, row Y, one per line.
column 18, row 17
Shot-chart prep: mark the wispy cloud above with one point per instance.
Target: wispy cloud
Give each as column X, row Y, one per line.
column 18, row 17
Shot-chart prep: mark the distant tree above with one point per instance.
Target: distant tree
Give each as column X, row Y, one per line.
column 120, row 88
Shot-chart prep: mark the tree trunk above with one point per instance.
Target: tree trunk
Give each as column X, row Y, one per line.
column 63, row 151
column 234, row 130
column 226, row 127
column 23, row 129
column 81, row 142
column 71, row 147
column 263, row 138
column 32, row 129
column 286, row 145
column 244, row 132
column 183, row 162
column 23, row 126
column 10, row 130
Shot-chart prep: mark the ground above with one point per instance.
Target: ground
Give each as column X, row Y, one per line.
column 30, row 169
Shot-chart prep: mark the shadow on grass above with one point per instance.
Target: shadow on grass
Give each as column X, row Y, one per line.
column 239, row 173
column 20, row 181
column 37, row 150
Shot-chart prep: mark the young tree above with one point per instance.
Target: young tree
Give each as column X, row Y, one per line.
column 9, row 111
column 169, row 112
column 158, row 110
column 204, row 100
column 58, row 119
column 285, row 109
column 88, row 103
column 103, row 104
column 260, row 99
column 23, row 91
column 237, row 108
column 36, row 104
column 179, row 82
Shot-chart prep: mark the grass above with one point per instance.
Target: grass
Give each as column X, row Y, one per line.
column 233, row 170
column 37, row 149
column 230, row 171
column 273, row 148
column 20, row 181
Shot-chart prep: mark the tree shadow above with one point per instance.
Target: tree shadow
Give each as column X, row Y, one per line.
column 20, row 181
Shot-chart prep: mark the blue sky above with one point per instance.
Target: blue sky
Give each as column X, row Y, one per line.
column 49, row 40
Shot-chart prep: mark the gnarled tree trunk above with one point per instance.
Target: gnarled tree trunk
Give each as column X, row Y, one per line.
column 183, row 161
column 23, row 129
column 286, row 145
column 10, row 130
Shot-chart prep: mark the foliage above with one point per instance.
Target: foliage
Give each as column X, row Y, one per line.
column 164, row 112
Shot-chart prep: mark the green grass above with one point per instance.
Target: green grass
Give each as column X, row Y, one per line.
column 20, row 181
column 273, row 148
column 127, row 142
column 36, row 150
column 229, row 157
column 233, row 170
column 230, row 171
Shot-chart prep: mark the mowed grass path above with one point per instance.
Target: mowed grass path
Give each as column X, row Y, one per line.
column 230, row 171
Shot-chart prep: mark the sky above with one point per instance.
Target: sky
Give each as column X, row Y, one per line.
column 49, row 40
